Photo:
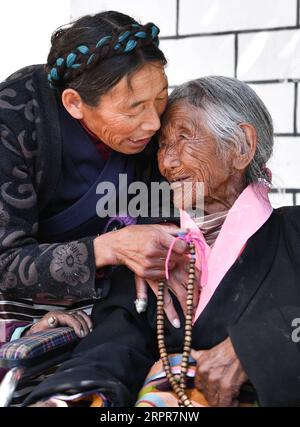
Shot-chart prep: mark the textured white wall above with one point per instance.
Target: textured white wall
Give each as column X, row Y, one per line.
column 162, row 12
column 25, row 31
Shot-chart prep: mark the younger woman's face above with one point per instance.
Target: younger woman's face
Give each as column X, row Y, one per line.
column 129, row 114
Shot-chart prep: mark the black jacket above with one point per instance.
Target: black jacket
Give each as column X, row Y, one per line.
column 30, row 166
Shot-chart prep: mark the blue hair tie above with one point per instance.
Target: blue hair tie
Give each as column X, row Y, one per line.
column 90, row 59
column 103, row 41
column 154, row 31
column 59, row 62
column 53, row 74
column 141, row 34
column 83, row 49
column 117, row 46
column 71, row 58
column 124, row 36
column 130, row 45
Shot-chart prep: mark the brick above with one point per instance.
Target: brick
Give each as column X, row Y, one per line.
column 195, row 57
column 285, row 162
column 161, row 13
column 269, row 55
column 279, row 99
column 205, row 16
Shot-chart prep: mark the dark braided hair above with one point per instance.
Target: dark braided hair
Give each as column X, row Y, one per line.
column 97, row 51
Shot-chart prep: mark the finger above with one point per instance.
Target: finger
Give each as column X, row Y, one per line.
column 72, row 321
column 157, row 261
column 196, row 295
column 202, row 372
column 170, row 310
column 229, row 386
column 179, row 291
column 173, row 229
column 178, row 283
column 84, row 326
column 153, row 274
column 86, row 318
column 141, row 294
column 212, row 387
column 49, row 321
column 180, row 246
column 169, row 228
column 198, row 382
column 196, row 354
column 39, row 326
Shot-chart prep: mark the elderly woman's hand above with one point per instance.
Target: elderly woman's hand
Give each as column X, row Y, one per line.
column 78, row 320
column 142, row 248
column 219, row 374
column 177, row 284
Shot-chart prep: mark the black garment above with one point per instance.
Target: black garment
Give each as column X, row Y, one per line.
column 31, row 162
column 254, row 305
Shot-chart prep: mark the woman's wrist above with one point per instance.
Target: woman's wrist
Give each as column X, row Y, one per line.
column 104, row 249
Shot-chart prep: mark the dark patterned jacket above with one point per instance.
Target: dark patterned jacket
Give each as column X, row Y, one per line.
column 30, row 165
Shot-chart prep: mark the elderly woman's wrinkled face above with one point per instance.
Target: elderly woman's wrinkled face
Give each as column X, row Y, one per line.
column 129, row 114
column 188, row 152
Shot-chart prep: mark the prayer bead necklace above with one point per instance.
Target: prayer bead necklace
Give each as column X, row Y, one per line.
column 177, row 382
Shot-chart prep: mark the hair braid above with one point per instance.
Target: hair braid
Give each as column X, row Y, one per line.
column 85, row 56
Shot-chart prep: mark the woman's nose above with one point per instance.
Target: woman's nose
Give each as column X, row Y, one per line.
column 170, row 159
column 151, row 120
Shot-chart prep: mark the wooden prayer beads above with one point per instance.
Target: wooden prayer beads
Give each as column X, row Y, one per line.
column 178, row 382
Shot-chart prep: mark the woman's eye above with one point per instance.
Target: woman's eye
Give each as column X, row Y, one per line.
column 132, row 116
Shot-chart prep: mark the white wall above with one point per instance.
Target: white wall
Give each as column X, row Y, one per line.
column 25, row 31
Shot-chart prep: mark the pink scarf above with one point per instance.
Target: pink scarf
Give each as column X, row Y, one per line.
column 247, row 215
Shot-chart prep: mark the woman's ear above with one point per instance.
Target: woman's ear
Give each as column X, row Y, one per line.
column 248, row 149
column 73, row 103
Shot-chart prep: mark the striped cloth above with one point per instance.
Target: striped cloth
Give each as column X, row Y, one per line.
column 211, row 225
column 157, row 392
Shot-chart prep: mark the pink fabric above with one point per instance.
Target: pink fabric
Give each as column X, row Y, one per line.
column 191, row 236
column 249, row 212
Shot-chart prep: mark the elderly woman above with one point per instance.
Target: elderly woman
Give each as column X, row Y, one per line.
column 82, row 119
column 217, row 131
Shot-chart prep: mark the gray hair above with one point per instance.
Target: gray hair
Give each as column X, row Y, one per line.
column 226, row 103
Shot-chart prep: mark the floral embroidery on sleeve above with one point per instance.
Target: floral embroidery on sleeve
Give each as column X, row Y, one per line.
column 68, row 264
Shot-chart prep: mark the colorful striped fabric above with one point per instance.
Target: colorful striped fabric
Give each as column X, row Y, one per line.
column 157, row 392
